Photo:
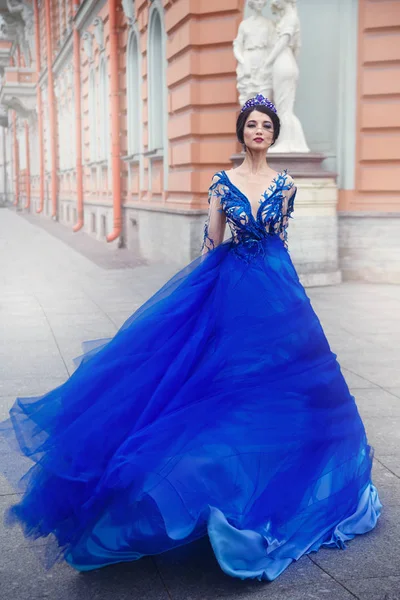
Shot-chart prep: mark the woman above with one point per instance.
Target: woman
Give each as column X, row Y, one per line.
column 217, row 408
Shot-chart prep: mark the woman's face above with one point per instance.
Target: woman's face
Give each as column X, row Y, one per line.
column 258, row 133
column 257, row 5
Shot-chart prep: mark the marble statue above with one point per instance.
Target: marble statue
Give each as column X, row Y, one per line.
column 254, row 42
column 267, row 56
column 285, row 73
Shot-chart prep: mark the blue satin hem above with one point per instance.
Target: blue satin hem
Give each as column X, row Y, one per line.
column 249, row 555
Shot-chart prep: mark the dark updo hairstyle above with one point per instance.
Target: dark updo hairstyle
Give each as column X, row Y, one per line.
column 242, row 118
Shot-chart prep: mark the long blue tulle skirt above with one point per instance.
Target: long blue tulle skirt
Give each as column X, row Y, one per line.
column 219, row 409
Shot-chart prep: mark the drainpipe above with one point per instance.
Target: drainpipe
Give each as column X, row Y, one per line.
column 16, row 158
column 5, row 166
column 115, row 140
column 16, row 145
column 28, row 168
column 52, row 111
column 39, row 108
column 78, row 130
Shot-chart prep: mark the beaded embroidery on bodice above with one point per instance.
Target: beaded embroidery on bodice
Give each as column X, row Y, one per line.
column 274, row 210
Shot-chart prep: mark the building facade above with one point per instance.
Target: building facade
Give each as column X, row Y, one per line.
column 115, row 114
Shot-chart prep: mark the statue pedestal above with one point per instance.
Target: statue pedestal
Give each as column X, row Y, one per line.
column 313, row 231
column 304, row 164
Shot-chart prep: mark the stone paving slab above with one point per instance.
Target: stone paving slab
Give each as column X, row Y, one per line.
column 356, row 382
column 376, row 553
column 370, row 402
column 88, row 246
column 383, row 434
column 375, row 588
column 391, row 462
column 54, row 295
column 23, row 577
column 5, row 403
column 194, row 572
column 23, row 386
column 387, row 482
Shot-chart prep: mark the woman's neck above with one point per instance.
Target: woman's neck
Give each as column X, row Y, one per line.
column 256, row 164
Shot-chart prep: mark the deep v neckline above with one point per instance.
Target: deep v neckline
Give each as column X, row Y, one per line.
column 264, row 195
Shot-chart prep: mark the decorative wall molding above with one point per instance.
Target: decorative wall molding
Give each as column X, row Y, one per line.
column 12, row 29
column 23, row 105
column 99, row 32
column 64, row 56
column 128, row 7
column 24, row 11
column 33, row 121
column 69, row 74
column 87, row 39
column 57, row 89
column 87, row 12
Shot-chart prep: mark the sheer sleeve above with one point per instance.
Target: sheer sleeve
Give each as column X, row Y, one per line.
column 287, row 209
column 214, row 228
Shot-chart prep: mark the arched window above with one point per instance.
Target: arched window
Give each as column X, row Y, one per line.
column 73, row 127
column 92, row 115
column 104, row 114
column 46, row 130
column 133, row 88
column 70, row 133
column 33, row 154
column 156, row 74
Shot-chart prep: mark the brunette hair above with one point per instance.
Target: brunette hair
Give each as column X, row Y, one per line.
column 242, row 118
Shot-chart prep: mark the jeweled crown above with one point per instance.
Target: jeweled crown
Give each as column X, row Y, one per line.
column 256, row 101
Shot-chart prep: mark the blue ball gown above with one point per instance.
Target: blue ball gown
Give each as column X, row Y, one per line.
column 218, row 408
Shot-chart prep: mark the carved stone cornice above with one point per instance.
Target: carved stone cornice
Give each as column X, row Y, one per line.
column 64, row 55
column 18, row 90
column 22, row 13
column 87, row 12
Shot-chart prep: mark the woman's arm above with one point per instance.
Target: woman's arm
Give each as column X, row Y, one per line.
column 214, row 228
column 287, row 209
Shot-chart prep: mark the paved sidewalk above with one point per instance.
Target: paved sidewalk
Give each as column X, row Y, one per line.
column 52, row 297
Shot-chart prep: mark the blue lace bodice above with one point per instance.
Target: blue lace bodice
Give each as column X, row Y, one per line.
column 227, row 204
